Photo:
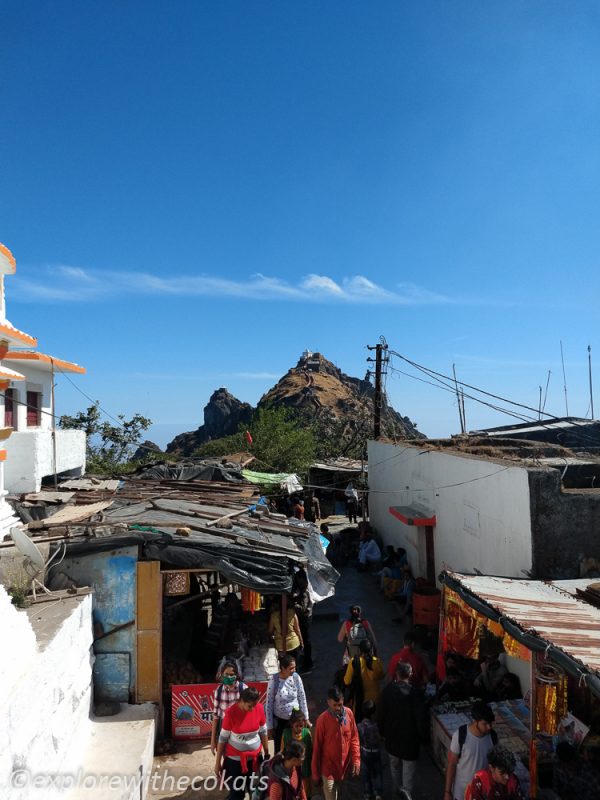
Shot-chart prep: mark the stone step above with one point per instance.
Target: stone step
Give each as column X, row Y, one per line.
column 118, row 755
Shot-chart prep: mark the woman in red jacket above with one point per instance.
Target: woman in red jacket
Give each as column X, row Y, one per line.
column 242, row 743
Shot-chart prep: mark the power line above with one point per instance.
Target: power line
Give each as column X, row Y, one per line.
column 438, row 376
column 59, row 417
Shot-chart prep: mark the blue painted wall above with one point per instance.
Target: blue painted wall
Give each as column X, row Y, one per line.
column 112, row 575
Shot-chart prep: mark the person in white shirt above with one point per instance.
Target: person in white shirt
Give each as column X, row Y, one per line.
column 468, row 752
column 351, row 502
column 369, row 554
column 285, row 691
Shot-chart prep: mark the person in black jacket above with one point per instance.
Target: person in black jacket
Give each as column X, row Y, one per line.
column 403, row 726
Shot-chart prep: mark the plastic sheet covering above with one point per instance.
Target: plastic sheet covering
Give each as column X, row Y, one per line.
column 322, row 577
column 183, row 471
column 287, row 481
column 264, row 572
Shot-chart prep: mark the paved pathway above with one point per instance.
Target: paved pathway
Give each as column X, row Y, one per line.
column 362, row 589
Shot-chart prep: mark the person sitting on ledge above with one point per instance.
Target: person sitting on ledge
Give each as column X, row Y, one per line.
column 369, row 554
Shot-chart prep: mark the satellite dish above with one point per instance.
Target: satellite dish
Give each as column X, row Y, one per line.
column 33, row 560
column 28, row 548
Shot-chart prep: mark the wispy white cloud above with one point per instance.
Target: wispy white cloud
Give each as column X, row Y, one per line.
column 75, row 284
column 206, row 377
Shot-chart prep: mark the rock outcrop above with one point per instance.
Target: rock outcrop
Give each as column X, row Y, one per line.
column 223, row 414
column 144, row 450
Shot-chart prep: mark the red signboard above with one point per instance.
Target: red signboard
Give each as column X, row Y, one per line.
column 192, row 708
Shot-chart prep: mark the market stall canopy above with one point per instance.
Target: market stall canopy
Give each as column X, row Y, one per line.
column 544, row 616
column 412, row 516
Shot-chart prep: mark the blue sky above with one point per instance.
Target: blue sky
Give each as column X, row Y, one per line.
column 195, row 192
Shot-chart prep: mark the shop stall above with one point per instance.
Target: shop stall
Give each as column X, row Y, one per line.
column 512, row 726
column 553, row 633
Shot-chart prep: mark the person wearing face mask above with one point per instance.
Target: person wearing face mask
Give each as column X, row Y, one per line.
column 225, row 696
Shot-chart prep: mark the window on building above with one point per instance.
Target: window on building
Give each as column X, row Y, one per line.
column 34, row 407
column 9, row 408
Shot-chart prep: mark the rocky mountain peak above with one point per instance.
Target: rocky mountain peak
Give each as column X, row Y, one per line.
column 314, row 387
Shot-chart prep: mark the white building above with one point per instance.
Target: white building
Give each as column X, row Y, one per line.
column 33, row 448
column 507, row 513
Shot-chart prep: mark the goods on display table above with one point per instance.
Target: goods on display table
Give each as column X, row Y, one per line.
column 511, row 725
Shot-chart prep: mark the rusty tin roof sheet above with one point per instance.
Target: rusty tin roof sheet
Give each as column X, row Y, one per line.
column 546, row 609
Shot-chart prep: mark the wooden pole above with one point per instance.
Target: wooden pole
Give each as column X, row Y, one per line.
column 460, row 413
column 284, row 621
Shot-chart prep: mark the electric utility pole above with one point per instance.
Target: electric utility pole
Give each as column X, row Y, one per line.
column 378, row 394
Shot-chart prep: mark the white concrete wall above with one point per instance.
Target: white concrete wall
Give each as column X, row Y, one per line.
column 30, row 457
column 36, row 380
column 45, row 693
column 482, row 524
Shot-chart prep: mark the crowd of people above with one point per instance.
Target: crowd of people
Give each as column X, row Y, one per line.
column 371, row 709
column 363, row 717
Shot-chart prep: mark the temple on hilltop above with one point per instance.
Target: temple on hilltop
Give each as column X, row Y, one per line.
column 32, row 447
column 310, row 361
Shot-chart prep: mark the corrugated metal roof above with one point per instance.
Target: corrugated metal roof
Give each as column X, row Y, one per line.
column 549, row 610
column 342, row 464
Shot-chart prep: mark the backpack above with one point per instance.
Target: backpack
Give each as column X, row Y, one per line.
column 357, row 634
column 267, row 777
column 462, row 738
column 262, row 787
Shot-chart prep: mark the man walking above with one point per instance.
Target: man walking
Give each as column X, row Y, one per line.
column 469, row 750
column 336, row 746
column 402, row 724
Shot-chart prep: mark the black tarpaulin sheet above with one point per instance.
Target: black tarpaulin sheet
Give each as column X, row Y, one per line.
column 204, row 471
column 263, row 572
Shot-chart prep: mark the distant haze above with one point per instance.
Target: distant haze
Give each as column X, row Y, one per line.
column 161, row 433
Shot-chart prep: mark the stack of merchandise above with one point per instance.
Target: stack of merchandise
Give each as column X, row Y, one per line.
column 260, row 663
